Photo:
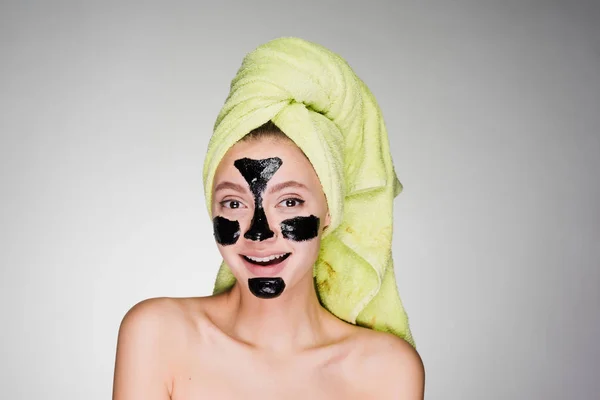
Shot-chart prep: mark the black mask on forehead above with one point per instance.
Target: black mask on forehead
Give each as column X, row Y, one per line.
column 257, row 173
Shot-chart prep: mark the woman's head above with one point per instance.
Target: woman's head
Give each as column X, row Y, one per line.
column 314, row 96
column 269, row 211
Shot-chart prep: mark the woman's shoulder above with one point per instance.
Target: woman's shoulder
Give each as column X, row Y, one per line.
column 391, row 362
column 151, row 344
column 164, row 314
column 164, row 321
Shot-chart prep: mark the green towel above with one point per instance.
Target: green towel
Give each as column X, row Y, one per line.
column 313, row 96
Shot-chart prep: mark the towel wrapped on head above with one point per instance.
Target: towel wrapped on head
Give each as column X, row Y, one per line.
column 316, row 99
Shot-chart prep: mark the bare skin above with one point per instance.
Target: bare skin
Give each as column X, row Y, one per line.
column 235, row 345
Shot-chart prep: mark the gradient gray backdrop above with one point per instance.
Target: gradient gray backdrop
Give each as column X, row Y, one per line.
column 493, row 111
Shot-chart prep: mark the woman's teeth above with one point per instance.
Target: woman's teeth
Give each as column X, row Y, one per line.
column 265, row 259
column 270, row 260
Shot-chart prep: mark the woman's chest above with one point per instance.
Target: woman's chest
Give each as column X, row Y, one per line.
column 261, row 388
column 250, row 378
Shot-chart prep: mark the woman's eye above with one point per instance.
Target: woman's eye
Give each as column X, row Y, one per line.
column 231, row 204
column 291, row 203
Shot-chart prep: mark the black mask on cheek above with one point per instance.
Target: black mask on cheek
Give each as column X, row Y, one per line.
column 300, row 229
column 257, row 173
column 226, row 232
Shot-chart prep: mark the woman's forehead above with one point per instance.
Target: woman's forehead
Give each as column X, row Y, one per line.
column 294, row 164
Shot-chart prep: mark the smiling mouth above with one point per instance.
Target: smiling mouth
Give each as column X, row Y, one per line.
column 267, row 261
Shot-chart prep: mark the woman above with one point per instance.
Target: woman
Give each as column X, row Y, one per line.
column 299, row 184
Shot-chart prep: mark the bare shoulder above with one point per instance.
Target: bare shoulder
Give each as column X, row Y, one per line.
column 155, row 318
column 151, row 338
column 156, row 311
column 393, row 364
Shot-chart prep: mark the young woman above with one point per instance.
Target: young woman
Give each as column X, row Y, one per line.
column 268, row 336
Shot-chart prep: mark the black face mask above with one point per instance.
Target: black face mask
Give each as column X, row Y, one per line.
column 226, row 232
column 257, row 173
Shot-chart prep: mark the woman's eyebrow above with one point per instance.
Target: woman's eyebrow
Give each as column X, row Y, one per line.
column 284, row 185
column 230, row 185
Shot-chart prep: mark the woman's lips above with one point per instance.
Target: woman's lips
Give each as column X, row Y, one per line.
column 268, row 268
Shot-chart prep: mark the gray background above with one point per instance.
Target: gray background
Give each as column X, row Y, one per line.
column 493, row 111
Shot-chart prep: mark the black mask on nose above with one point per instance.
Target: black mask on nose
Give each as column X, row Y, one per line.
column 257, row 173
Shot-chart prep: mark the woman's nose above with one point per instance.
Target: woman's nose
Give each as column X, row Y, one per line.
column 259, row 227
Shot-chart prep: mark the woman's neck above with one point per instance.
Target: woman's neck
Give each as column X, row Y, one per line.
column 292, row 322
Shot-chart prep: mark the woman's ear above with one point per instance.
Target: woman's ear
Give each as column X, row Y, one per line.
column 327, row 221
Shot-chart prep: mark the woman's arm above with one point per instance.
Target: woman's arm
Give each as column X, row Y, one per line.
column 142, row 363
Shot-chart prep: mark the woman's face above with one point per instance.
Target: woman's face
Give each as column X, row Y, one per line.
column 269, row 212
